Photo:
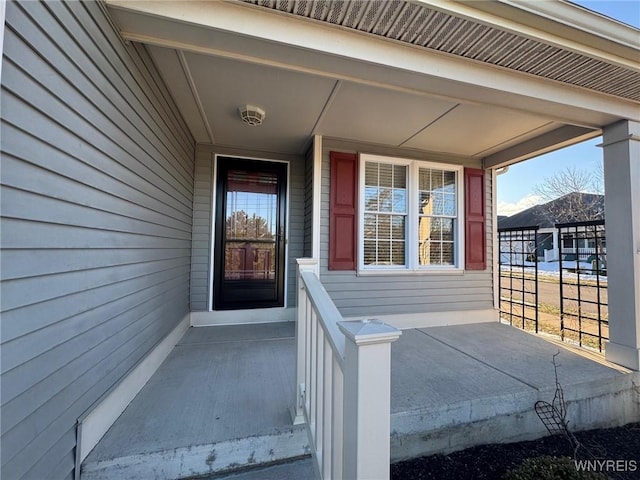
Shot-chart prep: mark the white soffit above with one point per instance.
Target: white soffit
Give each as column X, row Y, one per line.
column 268, row 37
column 477, row 131
column 176, row 75
column 293, row 102
column 370, row 114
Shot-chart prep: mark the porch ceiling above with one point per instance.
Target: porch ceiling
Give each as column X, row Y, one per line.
column 314, row 78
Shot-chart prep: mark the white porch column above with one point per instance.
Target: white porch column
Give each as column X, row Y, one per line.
column 622, row 216
column 367, row 399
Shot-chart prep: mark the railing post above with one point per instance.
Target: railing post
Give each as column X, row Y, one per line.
column 367, row 398
column 304, row 264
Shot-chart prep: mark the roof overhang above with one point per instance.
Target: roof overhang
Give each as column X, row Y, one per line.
column 318, row 77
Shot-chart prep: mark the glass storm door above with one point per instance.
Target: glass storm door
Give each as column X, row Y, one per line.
column 250, row 239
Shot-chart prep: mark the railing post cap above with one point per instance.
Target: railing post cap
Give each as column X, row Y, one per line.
column 307, row 261
column 369, row 331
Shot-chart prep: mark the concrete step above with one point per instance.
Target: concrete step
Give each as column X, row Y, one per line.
column 508, row 418
column 301, row 469
column 197, row 460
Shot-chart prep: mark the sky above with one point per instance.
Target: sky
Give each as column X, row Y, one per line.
column 516, row 188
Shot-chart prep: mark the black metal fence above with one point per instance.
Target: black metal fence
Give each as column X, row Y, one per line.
column 518, row 278
column 584, row 315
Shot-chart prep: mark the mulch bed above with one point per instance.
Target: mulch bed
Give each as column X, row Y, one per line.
column 491, row 462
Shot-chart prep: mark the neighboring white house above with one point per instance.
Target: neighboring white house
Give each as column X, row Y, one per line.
column 561, row 210
column 141, row 194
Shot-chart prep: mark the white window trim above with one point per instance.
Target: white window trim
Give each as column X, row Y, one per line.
column 411, row 242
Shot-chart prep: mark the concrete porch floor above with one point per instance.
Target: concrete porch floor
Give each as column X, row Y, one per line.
column 221, row 399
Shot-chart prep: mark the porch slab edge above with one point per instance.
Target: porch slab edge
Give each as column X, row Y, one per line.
column 195, row 460
column 511, row 418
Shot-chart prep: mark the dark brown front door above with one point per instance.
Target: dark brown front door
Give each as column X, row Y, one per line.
column 249, row 234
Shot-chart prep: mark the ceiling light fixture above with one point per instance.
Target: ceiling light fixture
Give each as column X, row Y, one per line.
column 252, row 115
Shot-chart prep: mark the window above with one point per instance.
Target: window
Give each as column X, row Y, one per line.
column 437, row 211
column 385, row 214
column 409, row 215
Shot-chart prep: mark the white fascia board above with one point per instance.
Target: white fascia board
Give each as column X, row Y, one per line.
column 548, row 142
column 556, row 23
column 577, row 17
column 373, row 57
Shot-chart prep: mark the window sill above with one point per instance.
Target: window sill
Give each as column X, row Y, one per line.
column 392, row 272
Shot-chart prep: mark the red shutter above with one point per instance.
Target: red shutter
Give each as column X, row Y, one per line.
column 475, row 230
column 343, row 221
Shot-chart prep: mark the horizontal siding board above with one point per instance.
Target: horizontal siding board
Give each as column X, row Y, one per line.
column 39, row 156
column 21, row 350
column 32, row 178
column 68, row 125
column 128, row 345
column 405, row 285
column 26, row 291
column 143, row 100
column 173, row 120
column 56, row 138
column 17, row 233
column 104, row 302
column 370, row 297
column 144, row 79
column 392, row 309
column 39, row 376
column 34, row 207
column 58, row 91
column 31, row 263
column 97, row 195
column 81, row 61
column 64, row 449
column 370, row 305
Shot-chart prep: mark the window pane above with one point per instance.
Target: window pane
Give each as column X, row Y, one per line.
column 436, row 180
column 386, row 175
column 386, row 200
column 371, row 173
column 369, row 252
column 446, row 229
column 449, row 206
column 425, row 205
column 397, row 253
column 384, row 253
column 384, row 227
column 436, row 229
column 449, row 182
column 424, row 179
column 400, row 176
column 399, row 200
column 398, row 230
column 370, row 230
column 371, row 199
column 438, row 204
column 447, row 253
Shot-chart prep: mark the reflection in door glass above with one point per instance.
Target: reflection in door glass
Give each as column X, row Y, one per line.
column 250, row 225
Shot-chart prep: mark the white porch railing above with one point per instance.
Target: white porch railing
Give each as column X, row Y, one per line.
column 343, row 384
